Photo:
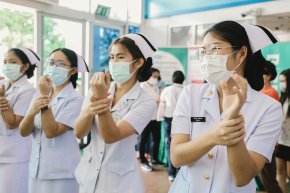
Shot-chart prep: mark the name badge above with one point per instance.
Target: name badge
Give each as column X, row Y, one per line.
column 197, row 119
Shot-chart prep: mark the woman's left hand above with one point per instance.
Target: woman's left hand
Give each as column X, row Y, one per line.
column 100, row 84
column 235, row 98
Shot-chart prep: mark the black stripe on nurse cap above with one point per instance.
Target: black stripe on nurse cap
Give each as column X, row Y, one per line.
column 143, row 44
column 271, row 36
column 259, row 37
column 152, row 47
column 82, row 65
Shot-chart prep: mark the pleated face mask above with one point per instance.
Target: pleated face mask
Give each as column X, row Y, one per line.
column 120, row 71
column 214, row 68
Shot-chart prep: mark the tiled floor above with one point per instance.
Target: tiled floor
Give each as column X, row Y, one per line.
column 156, row 181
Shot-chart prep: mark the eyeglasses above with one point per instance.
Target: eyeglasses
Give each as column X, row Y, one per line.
column 56, row 63
column 213, row 49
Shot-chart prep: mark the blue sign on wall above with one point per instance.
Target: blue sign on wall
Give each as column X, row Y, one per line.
column 160, row 8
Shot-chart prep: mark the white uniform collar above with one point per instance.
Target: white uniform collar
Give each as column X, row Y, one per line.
column 20, row 81
column 65, row 91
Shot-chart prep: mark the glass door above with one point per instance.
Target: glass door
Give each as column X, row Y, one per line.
column 60, row 33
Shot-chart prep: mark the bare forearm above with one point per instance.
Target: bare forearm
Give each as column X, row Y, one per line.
column 242, row 166
column 48, row 123
column 189, row 152
column 83, row 125
column 10, row 119
column 107, row 127
column 26, row 126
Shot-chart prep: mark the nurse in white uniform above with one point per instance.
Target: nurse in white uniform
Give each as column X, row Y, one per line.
column 116, row 114
column 223, row 132
column 16, row 94
column 50, row 118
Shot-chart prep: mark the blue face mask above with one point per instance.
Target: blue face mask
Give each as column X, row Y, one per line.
column 58, row 75
column 12, row 71
column 120, row 71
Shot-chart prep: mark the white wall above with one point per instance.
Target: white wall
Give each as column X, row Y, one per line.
column 158, row 29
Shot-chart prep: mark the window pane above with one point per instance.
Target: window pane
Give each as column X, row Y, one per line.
column 103, row 37
column 16, row 29
column 59, row 33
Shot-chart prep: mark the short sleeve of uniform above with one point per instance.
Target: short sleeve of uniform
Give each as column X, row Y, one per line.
column 267, row 131
column 23, row 101
column 70, row 111
column 181, row 116
column 163, row 95
column 140, row 114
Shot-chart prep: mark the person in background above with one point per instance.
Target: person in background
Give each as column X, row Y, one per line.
column 224, row 131
column 269, row 75
column 160, row 83
column 154, row 126
column 116, row 113
column 15, row 96
column 268, row 172
column 283, row 149
column 50, row 118
column 167, row 104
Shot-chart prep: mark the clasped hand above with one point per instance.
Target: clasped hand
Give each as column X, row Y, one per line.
column 99, row 103
column 231, row 129
column 3, row 101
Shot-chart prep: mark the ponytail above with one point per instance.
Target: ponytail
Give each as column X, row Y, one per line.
column 144, row 72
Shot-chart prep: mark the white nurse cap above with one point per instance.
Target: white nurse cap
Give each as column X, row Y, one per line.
column 259, row 36
column 32, row 56
column 82, row 65
column 143, row 44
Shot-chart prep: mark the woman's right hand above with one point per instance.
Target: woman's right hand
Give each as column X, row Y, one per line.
column 41, row 102
column 229, row 132
column 45, row 85
column 100, row 84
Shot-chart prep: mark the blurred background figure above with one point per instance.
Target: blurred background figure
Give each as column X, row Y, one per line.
column 168, row 99
column 268, row 173
column 283, row 149
column 150, row 86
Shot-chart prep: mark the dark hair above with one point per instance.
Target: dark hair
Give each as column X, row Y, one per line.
column 24, row 59
column 235, row 34
column 143, row 73
column 73, row 59
column 178, row 77
column 270, row 69
column 152, row 70
column 286, row 95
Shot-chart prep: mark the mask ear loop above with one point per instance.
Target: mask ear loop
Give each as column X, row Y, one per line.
column 233, row 70
column 131, row 74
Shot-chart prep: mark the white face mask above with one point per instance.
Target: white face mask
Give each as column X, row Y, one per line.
column 214, row 68
column 120, row 71
column 12, row 71
column 283, row 86
column 152, row 80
